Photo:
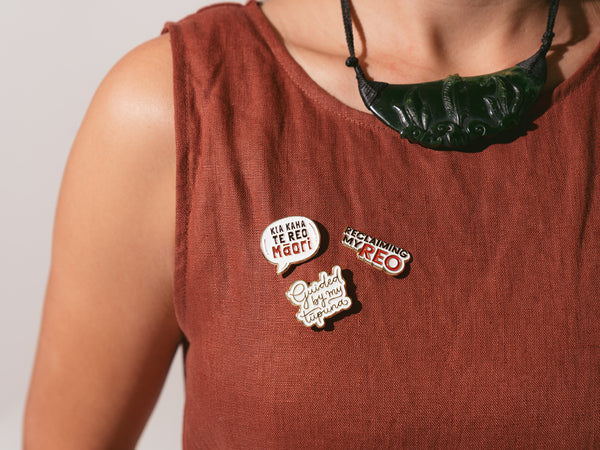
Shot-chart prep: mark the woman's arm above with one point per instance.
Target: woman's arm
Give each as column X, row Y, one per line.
column 109, row 332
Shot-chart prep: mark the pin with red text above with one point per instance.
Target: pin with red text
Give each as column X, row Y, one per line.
column 382, row 255
column 320, row 299
column 291, row 240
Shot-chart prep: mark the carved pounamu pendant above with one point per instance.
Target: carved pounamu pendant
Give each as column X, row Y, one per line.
column 455, row 112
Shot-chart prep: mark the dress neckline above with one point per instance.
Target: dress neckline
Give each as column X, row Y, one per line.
column 318, row 94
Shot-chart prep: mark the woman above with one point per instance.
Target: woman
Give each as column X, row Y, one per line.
column 489, row 337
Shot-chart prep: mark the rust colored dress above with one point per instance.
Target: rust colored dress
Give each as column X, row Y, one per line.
column 491, row 336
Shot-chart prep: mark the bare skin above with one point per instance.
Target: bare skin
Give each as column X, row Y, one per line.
column 412, row 42
column 109, row 331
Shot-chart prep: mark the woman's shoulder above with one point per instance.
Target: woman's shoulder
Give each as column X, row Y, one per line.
column 128, row 134
column 140, row 87
column 111, row 275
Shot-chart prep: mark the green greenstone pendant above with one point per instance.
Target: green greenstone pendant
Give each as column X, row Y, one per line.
column 456, row 112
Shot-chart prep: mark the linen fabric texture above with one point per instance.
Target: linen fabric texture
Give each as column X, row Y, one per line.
column 489, row 339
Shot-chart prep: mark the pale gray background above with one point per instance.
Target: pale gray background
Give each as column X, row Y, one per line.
column 53, row 55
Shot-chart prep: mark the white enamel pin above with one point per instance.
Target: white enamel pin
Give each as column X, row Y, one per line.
column 291, row 240
column 320, row 299
column 381, row 255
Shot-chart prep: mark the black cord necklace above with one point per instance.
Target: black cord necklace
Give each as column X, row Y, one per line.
column 455, row 112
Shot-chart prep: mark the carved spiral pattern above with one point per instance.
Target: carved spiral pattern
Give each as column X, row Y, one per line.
column 464, row 111
column 413, row 133
column 477, row 128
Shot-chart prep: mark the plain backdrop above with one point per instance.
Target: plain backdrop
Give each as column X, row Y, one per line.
column 53, row 55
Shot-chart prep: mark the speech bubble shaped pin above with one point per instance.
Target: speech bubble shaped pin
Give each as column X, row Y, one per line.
column 290, row 240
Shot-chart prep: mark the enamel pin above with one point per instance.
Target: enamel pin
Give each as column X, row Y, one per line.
column 291, row 240
column 381, row 255
column 320, row 299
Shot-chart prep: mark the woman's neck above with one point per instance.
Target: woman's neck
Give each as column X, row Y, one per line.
column 440, row 37
column 411, row 41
